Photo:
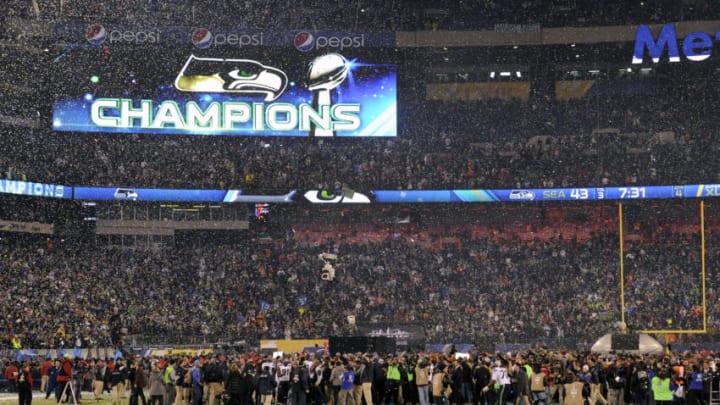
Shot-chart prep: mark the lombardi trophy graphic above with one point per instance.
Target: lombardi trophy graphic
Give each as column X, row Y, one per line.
column 325, row 73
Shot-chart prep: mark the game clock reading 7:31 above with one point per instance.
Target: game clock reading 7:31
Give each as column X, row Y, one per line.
column 625, row 193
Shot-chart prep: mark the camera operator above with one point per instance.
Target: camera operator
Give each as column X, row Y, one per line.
column 64, row 377
column 559, row 379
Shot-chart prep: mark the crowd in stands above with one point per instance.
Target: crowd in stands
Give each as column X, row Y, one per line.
column 542, row 142
column 366, row 15
column 559, row 278
column 654, row 139
column 488, row 284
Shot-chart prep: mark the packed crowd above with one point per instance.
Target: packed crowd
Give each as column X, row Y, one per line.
column 369, row 15
column 487, row 285
column 457, row 283
column 497, row 149
column 536, row 376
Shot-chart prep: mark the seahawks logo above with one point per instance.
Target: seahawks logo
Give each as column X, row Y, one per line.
column 331, row 197
column 243, row 76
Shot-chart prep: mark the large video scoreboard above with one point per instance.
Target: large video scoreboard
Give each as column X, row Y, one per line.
column 197, row 82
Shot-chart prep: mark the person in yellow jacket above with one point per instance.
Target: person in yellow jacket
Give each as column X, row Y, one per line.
column 596, row 396
column 575, row 391
column 538, row 387
column 392, row 381
column 422, row 381
column 662, row 391
column 439, row 385
column 409, row 386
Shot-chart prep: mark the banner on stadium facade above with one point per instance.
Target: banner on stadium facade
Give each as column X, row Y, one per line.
column 109, row 34
column 405, row 335
column 328, row 197
column 450, row 348
column 32, row 189
column 294, row 345
column 516, row 28
column 176, row 195
column 478, row 91
column 572, row 89
column 26, row 227
column 190, row 352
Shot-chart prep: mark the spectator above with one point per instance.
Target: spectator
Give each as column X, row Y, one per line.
column 170, row 377
column 197, row 383
column 11, row 375
column 138, row 383
column 157, row 385
column 345, row 396
column 661, row 388
column 101, row 380
column 24, row 384
column 266, row 386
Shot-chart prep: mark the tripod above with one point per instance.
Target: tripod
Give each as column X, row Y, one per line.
column 70, row 383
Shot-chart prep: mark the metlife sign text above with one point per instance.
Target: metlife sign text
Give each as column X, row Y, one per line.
column 696, row 47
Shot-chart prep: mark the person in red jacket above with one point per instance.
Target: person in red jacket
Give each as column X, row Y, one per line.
column 24, row 384
column 11, row 373
column 45, row 377
column 64, row 377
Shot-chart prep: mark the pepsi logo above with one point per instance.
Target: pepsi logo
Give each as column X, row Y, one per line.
column 96, row 34
column 304, row 41
column 202, row 38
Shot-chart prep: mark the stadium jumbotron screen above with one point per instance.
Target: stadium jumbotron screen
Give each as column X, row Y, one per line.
column 259, row 91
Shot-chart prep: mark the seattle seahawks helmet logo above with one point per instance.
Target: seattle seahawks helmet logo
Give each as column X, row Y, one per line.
column 331, row 197
column 243, row 76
